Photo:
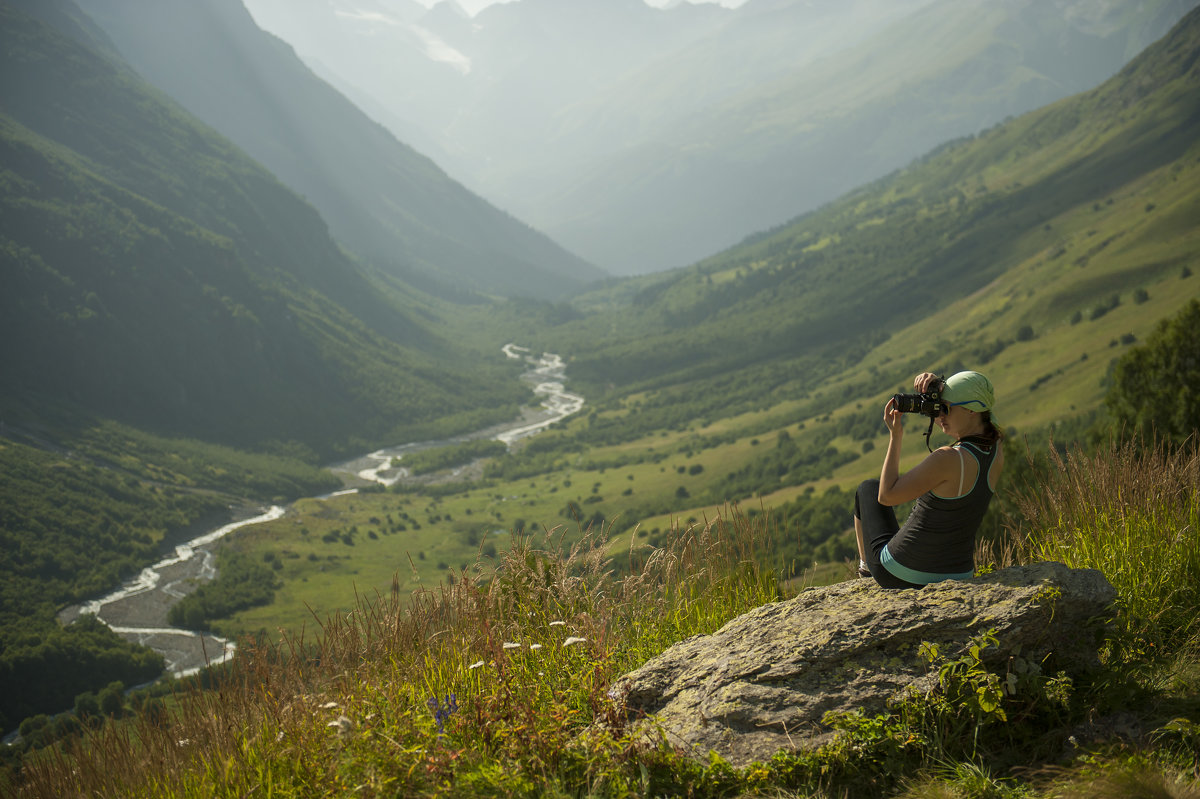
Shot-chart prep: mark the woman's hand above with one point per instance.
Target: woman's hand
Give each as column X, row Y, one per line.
column 926, row 381
column 893, row 419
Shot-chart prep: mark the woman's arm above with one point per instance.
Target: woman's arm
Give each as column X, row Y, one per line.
column 895, row 488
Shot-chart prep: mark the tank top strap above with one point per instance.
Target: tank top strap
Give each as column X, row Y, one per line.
column 984, row 455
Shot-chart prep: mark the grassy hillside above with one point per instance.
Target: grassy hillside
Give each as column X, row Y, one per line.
column 1038, row 253
column 499, row 685
column 885, row 255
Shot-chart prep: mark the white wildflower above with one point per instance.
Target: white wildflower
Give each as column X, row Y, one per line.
column 534, row 647
column 572, row 640
column 329, row 706
column 343, row 724
column 475, row 665
column 557, row 623
column 511, row 645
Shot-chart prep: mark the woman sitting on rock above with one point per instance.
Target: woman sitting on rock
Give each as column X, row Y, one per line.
column 952, row 487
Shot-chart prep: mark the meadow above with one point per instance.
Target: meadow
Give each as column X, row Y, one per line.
column 497, row 684
column 643, row 483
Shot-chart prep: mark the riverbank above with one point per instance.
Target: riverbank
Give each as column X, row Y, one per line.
column 137, row 610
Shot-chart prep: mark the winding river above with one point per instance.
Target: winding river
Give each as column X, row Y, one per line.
column 137, row 610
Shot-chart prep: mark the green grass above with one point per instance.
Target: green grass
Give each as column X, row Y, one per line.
column 498, row 683
column 1132, row 513
column 1077, row 357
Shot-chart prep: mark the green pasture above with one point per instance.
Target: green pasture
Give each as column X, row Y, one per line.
column 1086, row 281
column 1057, row 374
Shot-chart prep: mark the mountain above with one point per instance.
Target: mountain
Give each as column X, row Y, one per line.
column 156, row 275
column 710, row 124
column 384, row 201
column 789, row 144
column 1036, row 236
column 479, row 96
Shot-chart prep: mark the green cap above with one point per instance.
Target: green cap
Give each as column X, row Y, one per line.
column 971, row 390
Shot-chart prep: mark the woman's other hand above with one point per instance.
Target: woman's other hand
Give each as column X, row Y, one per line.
column 926, row 381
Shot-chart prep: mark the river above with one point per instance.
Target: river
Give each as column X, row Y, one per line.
column 137, row 610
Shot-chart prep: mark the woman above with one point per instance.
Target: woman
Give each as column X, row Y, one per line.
column 952, row 487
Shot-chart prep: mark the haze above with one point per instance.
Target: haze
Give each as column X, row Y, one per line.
column 473, row 7
column 643, row 139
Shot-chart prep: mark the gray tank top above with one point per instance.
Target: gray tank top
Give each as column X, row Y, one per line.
column 938, row 537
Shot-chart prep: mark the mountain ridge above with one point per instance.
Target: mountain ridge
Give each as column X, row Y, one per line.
column 389, row 204
column 732, row 124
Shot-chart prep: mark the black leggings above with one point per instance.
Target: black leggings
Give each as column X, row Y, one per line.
column 878, row 526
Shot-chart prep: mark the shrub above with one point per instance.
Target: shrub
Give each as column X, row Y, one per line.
column 1156, row 387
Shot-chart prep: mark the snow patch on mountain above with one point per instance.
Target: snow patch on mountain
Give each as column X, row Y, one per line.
column 437, row 50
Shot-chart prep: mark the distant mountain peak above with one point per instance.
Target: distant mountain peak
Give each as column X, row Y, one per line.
column 444, row 7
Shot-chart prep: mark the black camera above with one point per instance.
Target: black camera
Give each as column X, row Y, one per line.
column 928, row 404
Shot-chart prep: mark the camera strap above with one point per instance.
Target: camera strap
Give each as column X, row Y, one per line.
column 941, row 384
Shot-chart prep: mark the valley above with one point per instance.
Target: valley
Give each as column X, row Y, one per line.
column 200, row 328
column 139, row 610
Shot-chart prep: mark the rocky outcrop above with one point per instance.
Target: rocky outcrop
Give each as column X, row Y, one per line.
column 763, row 681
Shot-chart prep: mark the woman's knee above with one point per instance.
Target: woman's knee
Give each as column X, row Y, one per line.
column 867, row 495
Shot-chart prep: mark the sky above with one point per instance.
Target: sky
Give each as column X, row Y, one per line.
column 473, row 7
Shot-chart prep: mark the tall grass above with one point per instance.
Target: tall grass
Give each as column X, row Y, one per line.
column 487, row 683
column 1133, row 512
column 495, row 683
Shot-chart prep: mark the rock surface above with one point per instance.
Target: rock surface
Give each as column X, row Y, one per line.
column 763, row 681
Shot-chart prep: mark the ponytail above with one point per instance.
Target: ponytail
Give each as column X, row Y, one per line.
column 991, row 431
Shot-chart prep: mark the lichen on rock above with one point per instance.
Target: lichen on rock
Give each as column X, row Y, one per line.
column 763, row 682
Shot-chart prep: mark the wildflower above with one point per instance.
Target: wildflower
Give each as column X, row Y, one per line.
column 343, row 725
column 475, row 665
column 441, row 713
column 572, row 640
column 329, row 706
column 510, row 645
column 557, row 623
column 534, row 647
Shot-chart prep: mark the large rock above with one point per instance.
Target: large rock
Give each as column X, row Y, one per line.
column 763, row 681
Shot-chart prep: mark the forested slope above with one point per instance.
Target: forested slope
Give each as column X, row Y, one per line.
column 158, row 276
column 158, row 279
